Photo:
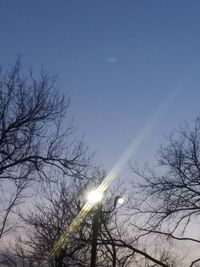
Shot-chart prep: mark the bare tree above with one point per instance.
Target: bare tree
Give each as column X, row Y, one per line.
column 35, row 137
column 58, row 206
column 36, row 147
column 170, row 205
column 60, row 203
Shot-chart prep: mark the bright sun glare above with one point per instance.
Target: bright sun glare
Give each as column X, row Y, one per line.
column 94, row 196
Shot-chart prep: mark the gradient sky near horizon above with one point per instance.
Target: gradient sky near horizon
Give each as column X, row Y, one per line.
column 117, row 60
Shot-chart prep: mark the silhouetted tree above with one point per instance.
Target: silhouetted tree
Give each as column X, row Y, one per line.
column 60, row 203
column 170, row 199
column 35, row 137
column 37, row 148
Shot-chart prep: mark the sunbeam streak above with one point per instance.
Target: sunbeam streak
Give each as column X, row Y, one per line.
column 134, row 145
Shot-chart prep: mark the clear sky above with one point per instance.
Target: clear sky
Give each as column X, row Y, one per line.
column 117, row 60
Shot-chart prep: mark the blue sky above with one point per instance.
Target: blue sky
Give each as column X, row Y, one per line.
column 117, row 60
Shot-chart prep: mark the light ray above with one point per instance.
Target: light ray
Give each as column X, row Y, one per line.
column 134, row 145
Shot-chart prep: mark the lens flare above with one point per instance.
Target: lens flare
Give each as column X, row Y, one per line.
column 120, row 200
column 134, row 145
